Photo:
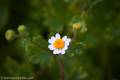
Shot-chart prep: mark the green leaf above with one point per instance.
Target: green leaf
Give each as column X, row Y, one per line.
column 42, row 58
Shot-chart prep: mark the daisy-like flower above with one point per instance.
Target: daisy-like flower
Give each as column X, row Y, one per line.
column 59, row 45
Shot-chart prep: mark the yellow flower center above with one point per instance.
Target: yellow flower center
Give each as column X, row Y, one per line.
column 59, row 43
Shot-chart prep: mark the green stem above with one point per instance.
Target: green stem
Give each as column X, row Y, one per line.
column 74, row 34
column 61, row 66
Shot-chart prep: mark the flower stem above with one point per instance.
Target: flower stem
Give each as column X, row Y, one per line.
column 61, row 68
column 74, row 34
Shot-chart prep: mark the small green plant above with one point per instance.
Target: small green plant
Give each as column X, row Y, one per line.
column 36, row 51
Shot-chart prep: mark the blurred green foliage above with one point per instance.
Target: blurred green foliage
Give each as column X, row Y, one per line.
column 92, row 55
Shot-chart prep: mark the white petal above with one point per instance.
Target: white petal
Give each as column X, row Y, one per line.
column 52, row 39
column 65, row 48
column 56, row 51
column 51, row 47
column 63, row 52
column 64, row 38
column 69, row 40
column 67, row 43
column 57, row 35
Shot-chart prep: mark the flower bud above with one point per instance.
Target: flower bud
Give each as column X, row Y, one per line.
column 10, row 35
column 21, row 29
column 76, row 26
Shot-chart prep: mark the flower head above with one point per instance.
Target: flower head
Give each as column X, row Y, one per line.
column 21, row 28
column 80, row 25
column 10, row 35
column 59, row 45
column 76, row 26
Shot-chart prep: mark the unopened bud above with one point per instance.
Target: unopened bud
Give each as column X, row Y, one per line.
column 21, row 29
column 10, row 35
column 76, row 26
